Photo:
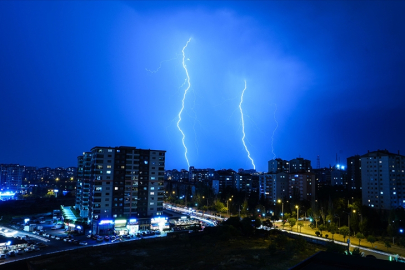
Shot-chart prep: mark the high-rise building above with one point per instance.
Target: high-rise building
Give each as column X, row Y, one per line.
column 383, row 179
column 120, row 188
column 11, row 176
column 300, row 165
column 302, row 186
column 278, row 165
column 354, row 172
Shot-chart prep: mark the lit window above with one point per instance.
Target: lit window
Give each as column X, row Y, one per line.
column 108, row 172
column 108, row 166
column 115, row 188
column 152, row 203
column 152, row 193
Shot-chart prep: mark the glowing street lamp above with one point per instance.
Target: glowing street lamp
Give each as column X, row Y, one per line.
column 298, row 209
column 282, row 211
column 230, row 199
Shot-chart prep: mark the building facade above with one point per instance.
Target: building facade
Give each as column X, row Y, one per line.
column 124, row 186
column 383, row 180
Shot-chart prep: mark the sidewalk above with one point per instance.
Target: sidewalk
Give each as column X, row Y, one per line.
column 377, row 246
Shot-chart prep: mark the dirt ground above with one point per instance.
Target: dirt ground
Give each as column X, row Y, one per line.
column 183, row 252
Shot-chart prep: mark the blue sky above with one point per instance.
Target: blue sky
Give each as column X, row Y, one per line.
column 76, row 74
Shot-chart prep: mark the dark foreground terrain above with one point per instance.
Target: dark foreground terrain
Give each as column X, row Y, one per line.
column 208, row 250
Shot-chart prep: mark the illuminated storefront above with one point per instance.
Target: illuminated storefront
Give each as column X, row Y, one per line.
column 105, row 226
column 133, row 226
column 159, row 223
column 120, row 227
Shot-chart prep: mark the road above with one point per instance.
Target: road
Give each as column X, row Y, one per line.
column 378, row 249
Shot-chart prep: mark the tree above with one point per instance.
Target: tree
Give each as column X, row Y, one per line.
column 292, row 222
column 371, row 239
column 300, row 224
column 244, row 208
column 387, row 244
column 359, row 236
column 333, row 229
column 329, row 219
column 219, row 206
column 344, row 231
column 321, row 228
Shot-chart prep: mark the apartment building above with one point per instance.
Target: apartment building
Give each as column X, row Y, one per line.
column 383, row 179
column 120, row 187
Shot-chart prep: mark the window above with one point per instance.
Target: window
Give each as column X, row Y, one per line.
column 108, row 172
column 152, row 203
column 109, row 150
column 108, row 166
column 115, row 188
column 152, row 188
column 152, row 193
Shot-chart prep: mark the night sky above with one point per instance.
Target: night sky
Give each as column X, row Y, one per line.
column 79, row 74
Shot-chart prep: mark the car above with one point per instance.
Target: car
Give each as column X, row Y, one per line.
column 100, row 238
column 20, row 251
column 70, row 240
column 89, row 236
column 83, row 243
column 157, row 232
column 94, row 237
column 11, row 254
column 65, row 239
column 57, row 238
column 76, row 242
column 106, row 238
column 52, row 236
column 116, row 240
column 126, row 236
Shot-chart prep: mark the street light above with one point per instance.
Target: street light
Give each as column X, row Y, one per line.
column 230, row 199
column 298, row 209
column 282, row 211
column 207, row 201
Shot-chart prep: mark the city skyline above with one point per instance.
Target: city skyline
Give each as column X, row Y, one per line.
column 322, row 78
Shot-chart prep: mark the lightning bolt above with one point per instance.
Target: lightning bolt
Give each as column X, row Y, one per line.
column 272, row 137
column 160, row 66
column 182, row 104
column 243, row 127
